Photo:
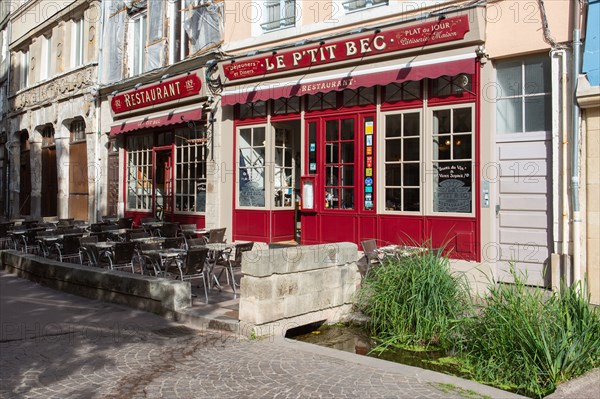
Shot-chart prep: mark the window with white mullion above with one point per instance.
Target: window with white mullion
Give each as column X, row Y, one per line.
column 402, row 161
column 279, row 14
column 355, row 5
column 190, row 171
column 139, row 172
column 251, row 167
column 137, row 51
column 524, row 95
column 452, row 159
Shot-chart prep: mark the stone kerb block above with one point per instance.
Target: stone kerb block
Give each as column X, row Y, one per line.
column 262, row 263
column 282, row 284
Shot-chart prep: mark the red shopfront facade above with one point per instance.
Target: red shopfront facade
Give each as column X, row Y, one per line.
column 162, row 131
column 383, row 144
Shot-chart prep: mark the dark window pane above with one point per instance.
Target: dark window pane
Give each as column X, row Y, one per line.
column 411, row 149
column 393, row 199
column 347, row 176
column 462, row 146
column 348, row 152
column 393, row 150
column 441, row 147
column 331, row 175
column 347, row 198
column 331, row 131
column 347, row 129
column 441, row 121
column 393, row 175
column 412, row 124
column 411, row 174
column 462, row 120
column 331, row 154
column 412, row 201
column 393, row 125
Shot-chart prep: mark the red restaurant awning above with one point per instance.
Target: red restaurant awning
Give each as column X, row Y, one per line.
column 156, row 120
column 366, row 77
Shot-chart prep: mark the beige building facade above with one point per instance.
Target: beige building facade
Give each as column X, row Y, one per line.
column 51, row 118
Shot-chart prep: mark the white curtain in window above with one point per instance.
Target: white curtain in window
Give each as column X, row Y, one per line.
column 113, row 40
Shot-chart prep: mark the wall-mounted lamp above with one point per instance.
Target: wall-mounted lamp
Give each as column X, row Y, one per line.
column 442, row 17
column 252, row 53
column 114, row 93
column 165, row 76
column 481, row 54
column 138, row 85
column 322, row 42
column 377, row 31
column 300, row 43
column 357, row 30
column 274, row 52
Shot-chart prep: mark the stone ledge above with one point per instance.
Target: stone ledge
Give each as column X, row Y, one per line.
column 156, row 295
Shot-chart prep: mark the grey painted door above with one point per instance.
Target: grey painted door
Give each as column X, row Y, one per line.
column 524, row 207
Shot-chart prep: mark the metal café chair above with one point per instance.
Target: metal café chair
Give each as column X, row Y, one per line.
column 372, row 255
column 233, row 260
column 169, row 230
column 150, row 263
column 193, row 266
column 89, row 253
column 121, row 257
column 5, row 239
column 173, row 242
column 68, row 249
column 216, row 236
column 194, row 242
column 44, row 249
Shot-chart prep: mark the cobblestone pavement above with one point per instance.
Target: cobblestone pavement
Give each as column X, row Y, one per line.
column 55, row 345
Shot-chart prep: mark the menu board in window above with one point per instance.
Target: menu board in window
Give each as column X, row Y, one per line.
column 453, row 187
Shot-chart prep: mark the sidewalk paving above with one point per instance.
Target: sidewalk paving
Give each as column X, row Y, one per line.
column 57, row 345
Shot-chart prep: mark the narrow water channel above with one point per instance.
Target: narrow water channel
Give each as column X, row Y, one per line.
column 356, row 340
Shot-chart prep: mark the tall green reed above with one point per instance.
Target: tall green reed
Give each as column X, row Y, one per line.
column 529, row 339
column 414, row 300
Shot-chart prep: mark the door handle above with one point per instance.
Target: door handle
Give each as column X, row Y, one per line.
column 497, row 209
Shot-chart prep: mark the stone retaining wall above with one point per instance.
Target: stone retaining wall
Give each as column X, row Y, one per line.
column 157, row 295
column 288, row 287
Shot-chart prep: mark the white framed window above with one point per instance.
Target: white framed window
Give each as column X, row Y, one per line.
column 283, row 168
column 452, row 159
column 137, row 44
column 46, row 59
column 402, row 143
column 139, row 172
column 190, row 170
column 251, row 144
column 524, row 101
column 77, row 57
column 357, row 5
column 427, row 157
column 278, row 14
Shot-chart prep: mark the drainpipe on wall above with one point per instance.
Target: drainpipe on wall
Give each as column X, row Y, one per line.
column 575, row 147
column 560, row 137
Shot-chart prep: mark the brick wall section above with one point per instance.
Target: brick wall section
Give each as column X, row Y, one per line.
column 286, row 287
